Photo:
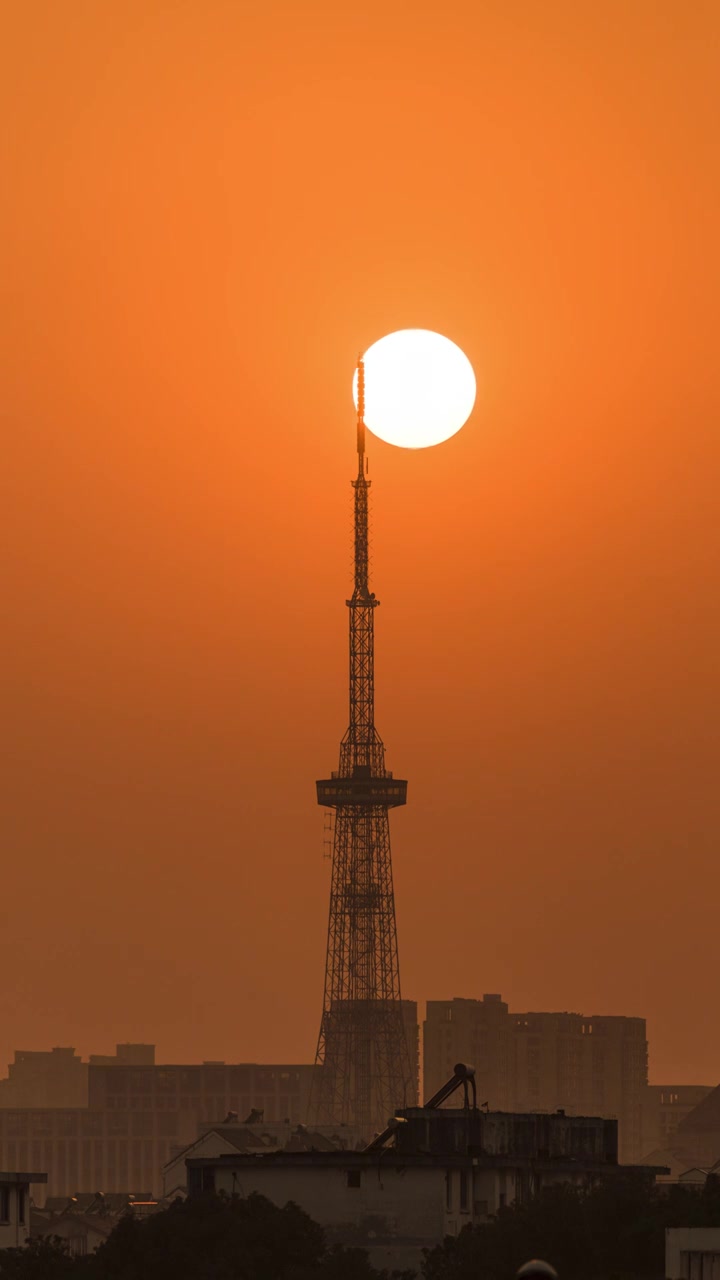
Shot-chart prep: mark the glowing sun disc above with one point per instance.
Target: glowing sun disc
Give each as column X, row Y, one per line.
column 419, row 388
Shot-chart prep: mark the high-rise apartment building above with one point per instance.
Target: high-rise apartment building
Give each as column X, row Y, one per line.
column 409, row 1014
column 475, row 1031
column 543, row 1061
column 593, row 1065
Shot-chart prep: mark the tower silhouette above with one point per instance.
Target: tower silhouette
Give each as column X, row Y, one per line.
column 363, row 1066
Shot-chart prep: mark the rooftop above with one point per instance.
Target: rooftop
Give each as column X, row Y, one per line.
column 23, row 1177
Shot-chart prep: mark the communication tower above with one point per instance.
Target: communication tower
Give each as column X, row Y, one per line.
column 363, row 1063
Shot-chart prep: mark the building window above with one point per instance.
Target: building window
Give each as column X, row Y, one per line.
column 4, row 1204
column 92, row 1123
column 21, row 1205
column 17, row 1124
column 142, row 1124
column 168, row 1124
column 67, row 1124
column 448, row 1189
column 141, row 1081
column 191, row 1079
column 463, row 1191
column 353, row 1177
column 501, row 1200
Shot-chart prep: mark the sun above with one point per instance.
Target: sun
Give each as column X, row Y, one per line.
column 419, row 388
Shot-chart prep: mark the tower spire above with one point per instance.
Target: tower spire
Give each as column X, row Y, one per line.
column 363, row 1062
column 361, row 413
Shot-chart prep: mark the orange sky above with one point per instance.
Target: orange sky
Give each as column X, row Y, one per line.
column 212, row 205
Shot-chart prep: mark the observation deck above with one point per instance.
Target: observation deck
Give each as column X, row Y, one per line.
column 362, row 790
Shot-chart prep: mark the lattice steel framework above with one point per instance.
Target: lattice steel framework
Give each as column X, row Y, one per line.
column 363, row 1064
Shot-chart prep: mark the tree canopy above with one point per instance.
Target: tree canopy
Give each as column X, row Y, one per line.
column 208, row 1238
column 615, row 1229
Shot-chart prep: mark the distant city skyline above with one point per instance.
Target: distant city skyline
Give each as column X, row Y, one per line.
column 429, row 1012
column 120, row 1121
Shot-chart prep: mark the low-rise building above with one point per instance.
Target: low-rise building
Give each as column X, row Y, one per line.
column 85, row 1221
column 231, row 1137
column 447, row 1167
column 695, row 1177
column 15, row 1207
column 692, row 1253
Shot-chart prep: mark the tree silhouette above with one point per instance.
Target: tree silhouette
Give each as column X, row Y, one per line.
column 206, row 1238
column 615, row 1229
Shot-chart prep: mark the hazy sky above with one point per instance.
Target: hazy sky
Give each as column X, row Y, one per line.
column 209, row 207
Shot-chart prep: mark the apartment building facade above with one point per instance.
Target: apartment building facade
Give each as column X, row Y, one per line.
column 529, row 1062
column 137, row 1117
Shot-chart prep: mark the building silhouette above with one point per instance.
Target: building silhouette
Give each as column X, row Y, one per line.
column 137, row 1115
column 440, row 1171
column 585, row 1065
column 664, row 1108
column 59, row 1077
column 698, row 1133
column 475, row 1031
column 45, row 1078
